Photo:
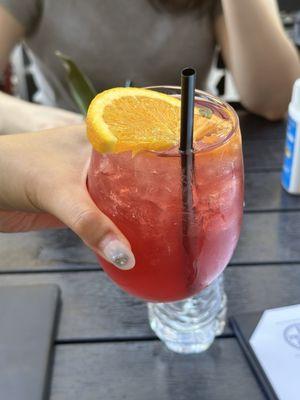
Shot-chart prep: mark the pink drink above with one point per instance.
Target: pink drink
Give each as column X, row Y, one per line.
column 142, row 194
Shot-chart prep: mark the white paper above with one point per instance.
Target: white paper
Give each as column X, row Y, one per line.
column 276, row 343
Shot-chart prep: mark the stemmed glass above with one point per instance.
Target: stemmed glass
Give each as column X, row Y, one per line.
column 179, row 273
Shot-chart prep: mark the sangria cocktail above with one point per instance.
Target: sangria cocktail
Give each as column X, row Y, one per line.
column 137, row 183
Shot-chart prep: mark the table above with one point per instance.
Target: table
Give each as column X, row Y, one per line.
column 105, row 349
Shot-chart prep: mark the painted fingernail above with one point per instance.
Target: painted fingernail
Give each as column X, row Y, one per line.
column 117, row 253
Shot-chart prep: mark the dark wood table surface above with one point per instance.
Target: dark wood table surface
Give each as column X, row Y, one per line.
column 105, row 349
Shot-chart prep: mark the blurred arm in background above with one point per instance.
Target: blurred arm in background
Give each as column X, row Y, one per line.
column 263, row 61
column 17, row 115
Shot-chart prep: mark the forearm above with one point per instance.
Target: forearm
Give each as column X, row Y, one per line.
column 11, row 111
column 262, row 59
column 17, row 116
column 13, row 174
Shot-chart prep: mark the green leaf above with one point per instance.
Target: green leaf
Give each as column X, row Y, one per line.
column 80, row 86
column 205, row 112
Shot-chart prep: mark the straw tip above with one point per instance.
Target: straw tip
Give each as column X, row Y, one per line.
column 188, row 72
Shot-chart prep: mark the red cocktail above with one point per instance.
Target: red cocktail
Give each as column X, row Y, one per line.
column 142, row 195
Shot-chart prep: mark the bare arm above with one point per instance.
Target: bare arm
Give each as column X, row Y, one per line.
column 17, row 115
column 263, row 61
column 11, row 33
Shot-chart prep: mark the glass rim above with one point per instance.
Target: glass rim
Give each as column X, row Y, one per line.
column 215, row 100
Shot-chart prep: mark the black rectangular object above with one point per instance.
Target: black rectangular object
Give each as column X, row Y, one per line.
column 243, row 325
column 28, row 319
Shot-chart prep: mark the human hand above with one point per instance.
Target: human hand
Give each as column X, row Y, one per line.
column 43, row 185
column 21, row 116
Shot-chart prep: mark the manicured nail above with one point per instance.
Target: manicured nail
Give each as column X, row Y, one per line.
column 117, row 253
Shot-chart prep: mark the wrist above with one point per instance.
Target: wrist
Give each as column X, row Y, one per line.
column 15, row 173
column 4, row 172
column 8, row 113
column 12, row 114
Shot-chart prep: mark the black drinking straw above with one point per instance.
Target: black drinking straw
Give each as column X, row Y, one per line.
column 188, row 80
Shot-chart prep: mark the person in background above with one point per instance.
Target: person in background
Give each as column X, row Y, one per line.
column 148, row 42
column 43, row 174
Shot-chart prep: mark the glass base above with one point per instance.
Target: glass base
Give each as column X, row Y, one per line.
column 190, row 326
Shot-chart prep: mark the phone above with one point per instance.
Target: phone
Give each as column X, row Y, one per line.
column 28, row 324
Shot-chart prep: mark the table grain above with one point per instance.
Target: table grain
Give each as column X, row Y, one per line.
column 105, row 348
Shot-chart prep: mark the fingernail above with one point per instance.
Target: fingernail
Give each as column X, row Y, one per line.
column 117, row 253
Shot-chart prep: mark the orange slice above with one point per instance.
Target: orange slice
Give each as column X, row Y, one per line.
column 134, row 119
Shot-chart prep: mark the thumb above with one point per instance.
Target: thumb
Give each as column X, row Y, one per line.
column 95, row 229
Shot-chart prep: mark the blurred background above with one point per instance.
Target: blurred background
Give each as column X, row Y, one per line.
column 220, row 81
column 19, row 78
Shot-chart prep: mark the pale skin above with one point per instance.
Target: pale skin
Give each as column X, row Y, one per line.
column 261, row 58
column 43, row 175
column 43, row 185
column 263, row 61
